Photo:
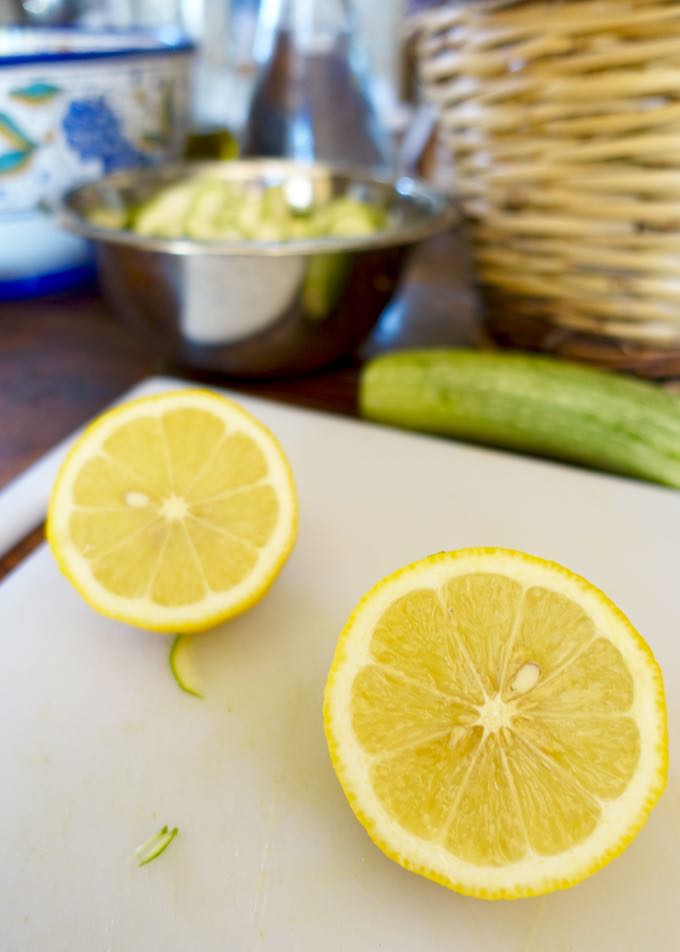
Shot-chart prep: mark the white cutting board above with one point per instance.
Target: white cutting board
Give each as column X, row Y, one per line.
column 99, row 747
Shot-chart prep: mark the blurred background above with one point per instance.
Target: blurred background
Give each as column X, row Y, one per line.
column 225, row 33
column 91, row 87
column 568, row 198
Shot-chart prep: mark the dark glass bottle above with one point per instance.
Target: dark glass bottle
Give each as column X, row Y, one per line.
column 311, row 100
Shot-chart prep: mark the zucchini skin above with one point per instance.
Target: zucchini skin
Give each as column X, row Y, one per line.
column 535, row 404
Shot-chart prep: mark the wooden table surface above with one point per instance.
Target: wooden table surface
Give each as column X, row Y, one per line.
column 64, row 359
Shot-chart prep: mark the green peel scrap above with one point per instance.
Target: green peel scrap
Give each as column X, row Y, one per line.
column 182, row 665
column 155, row 845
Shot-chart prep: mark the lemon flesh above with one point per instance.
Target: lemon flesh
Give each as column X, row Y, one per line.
column 496, row 723
column 173, row 512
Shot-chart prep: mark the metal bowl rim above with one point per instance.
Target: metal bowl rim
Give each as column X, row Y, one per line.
column 443, row 213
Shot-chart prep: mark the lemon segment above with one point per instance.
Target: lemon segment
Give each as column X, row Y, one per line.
column 173, row 512
column 496, row 723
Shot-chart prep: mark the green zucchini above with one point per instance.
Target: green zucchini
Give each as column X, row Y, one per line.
column 534, row 404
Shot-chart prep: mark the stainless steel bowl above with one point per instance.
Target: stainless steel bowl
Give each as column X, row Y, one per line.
column 256, row 308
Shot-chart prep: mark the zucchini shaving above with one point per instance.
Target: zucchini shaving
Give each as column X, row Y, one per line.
column 155, row 845
column 181, row 660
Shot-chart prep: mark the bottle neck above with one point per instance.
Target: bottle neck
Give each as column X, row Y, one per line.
column 312, row 26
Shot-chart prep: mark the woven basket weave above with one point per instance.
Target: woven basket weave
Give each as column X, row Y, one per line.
column 564, row 123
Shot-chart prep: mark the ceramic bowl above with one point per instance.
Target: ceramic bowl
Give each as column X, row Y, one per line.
column 75, row 105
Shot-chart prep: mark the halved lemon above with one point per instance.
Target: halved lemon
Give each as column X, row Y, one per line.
column 496, row 723
column 173, row 512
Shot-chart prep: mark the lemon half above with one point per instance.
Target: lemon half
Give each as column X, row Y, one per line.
column 496, row 723
column 173, row 512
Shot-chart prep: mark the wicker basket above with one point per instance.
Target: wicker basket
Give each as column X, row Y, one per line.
column 564, row 123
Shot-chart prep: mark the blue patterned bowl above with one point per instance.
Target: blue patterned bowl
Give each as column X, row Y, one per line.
column 74, row 105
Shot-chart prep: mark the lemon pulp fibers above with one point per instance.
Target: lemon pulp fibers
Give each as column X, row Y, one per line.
column 469, row 757
column 149, row 524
